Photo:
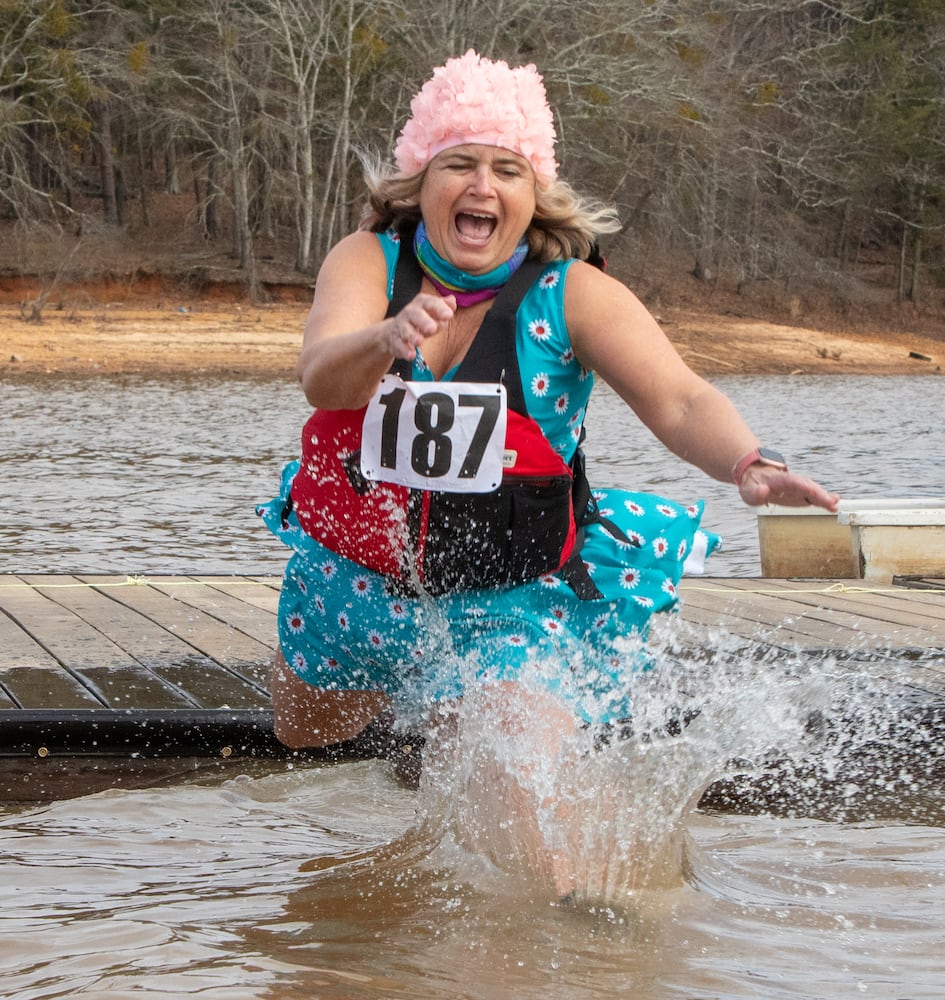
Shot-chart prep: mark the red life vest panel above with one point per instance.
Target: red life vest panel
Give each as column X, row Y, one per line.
column 431, row 540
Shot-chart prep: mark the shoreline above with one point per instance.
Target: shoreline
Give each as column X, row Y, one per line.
column 214, row 338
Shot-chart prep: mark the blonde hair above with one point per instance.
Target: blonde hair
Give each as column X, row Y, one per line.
column 565, row 224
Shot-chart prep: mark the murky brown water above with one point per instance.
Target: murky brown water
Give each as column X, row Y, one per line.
column 273, row 881
column 208, row 891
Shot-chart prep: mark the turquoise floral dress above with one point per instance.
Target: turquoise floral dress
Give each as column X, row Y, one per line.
column 344, row 627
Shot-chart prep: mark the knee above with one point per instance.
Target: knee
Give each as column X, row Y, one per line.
column 290, row 707
column 289, row 735
column 307, row 716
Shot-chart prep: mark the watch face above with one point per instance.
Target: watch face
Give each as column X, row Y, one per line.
column 770, row 455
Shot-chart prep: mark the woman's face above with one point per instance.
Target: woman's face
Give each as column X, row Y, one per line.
column 477, row 201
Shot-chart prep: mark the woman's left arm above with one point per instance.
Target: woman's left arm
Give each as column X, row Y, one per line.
column 615, row 335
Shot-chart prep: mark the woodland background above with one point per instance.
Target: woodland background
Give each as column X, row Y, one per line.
column 787, row 151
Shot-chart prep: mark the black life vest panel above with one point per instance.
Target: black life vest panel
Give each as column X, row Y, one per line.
column 432, row 541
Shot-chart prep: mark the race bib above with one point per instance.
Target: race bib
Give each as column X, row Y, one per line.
column 447, row 436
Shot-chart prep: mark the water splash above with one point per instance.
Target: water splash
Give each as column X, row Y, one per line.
column 599, row 814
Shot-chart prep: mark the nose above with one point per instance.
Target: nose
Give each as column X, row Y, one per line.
column 481, row 181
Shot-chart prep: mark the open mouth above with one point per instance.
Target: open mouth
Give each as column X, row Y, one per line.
column 478, row 226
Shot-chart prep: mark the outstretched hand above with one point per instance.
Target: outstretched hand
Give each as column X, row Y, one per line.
column 763, row 484
column 422, row 317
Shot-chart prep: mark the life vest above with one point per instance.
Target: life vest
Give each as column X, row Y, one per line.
column 436, row 541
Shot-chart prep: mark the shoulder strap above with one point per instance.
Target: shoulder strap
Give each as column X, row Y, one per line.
column 407, row 279
column 492, row 355
column 407, row 275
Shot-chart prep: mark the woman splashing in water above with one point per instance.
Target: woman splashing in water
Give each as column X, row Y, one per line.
column 447, row 549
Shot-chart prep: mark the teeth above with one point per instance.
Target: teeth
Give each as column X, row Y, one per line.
column 476, row 225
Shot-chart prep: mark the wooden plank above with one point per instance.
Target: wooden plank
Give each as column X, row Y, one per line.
column 907, row 661
column 887, row 613
column 207, row 642
column 199, row 679
column 242, row 654
column 714, row 614
column 115, row 677
column 765, row 617
column 261, row 593
column 46, row 687
column 836, row 630
column 925, row 622
column 65, row 637
column 228, row 607
column 30, row 676
column 19, row 648
column 921, row 582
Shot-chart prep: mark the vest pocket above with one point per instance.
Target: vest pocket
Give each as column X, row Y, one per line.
column 520, row 531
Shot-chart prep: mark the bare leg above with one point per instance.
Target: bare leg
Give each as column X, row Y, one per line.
column 307, row 716
column 532, row 736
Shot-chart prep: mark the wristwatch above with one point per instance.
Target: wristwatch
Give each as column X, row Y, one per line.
column 758, row 456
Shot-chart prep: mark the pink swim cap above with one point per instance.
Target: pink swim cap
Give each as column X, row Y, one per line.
column 475, row 100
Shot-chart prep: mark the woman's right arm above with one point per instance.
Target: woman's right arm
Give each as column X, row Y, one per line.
column 349, row 344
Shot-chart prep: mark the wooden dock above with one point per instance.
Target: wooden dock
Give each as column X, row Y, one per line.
column 177, row 667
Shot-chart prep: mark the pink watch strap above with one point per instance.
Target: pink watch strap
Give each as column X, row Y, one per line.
column 746, row 461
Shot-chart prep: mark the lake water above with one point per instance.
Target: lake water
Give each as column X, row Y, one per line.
column 136, row 475
column 269, row 880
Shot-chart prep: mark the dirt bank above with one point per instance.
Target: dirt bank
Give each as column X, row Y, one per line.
column 227, row 337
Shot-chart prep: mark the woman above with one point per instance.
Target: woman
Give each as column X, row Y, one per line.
column 442, row 530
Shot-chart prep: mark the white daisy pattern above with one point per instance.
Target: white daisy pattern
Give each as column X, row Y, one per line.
column 540, row 384
column 634, row 508
column 629, row 578
column 549, row 280
column 299, row 663
column 660, row 547
column 398, row 610
column 561, row 403
column 361, row 585
column 666, row 510
column 295, row 623
column 540, row 329
column 328, row 569
column 375, row 639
